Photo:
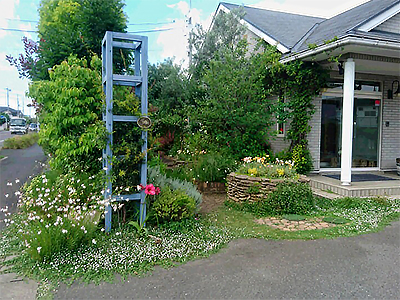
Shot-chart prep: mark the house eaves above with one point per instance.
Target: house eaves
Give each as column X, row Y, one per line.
column 351, row 39
column 343, row 24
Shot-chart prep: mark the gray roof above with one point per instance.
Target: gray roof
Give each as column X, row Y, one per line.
column 286, row 28
column 296, row 32
column 342, row 24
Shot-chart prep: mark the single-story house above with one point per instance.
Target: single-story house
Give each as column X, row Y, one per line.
column 356, row 126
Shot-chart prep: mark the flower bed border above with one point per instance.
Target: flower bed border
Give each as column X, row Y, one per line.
column 239, row 186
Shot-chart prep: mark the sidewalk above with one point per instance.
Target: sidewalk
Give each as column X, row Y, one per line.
column 13, row 287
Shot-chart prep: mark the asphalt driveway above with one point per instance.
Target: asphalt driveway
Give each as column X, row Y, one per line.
column 17, row 164
column 363, row 267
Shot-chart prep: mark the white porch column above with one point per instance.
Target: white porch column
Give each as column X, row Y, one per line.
column 347, row 122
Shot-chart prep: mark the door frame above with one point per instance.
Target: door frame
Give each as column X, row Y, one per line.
column 365, row 95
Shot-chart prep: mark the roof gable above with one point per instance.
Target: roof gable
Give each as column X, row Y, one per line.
column 276, row 27
column 390, row 14
column 344, row 23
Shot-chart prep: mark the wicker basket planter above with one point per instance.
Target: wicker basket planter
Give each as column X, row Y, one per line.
column 243, row 188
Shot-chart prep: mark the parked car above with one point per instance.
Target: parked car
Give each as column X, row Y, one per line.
column 33, row 127
column 18, row 125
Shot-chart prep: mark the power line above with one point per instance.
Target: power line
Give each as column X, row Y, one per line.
column 149, row 23
column 19, row 20
column 130, row 24
column 153, row 30
column 18, row 30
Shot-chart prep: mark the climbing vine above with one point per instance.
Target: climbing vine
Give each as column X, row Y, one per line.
column 298, row 83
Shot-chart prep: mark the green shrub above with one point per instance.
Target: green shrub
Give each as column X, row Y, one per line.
column 158, row 179
column 59, row 211
column 172, row 206
column 213, row 167
column 21, row 142
column 302, row 160
column 290, row 198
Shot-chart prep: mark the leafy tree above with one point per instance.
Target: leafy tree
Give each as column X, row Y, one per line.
column 170, row 97
column 72, row 130
column 226, row 32
column 237, row 110
column 68, row 27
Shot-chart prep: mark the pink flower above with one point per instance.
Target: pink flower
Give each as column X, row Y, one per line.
column 157, row 190
column 150, row 189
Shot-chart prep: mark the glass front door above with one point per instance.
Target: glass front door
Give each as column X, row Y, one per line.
column 366, row 120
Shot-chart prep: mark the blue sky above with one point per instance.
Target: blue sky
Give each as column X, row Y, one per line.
column 144, row 15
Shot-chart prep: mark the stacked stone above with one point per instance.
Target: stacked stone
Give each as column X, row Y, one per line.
column 240, row 187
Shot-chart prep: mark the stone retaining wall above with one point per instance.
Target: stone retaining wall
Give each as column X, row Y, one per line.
column 243, row 188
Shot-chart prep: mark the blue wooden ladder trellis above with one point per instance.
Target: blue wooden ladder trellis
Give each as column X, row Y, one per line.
column 138, row 45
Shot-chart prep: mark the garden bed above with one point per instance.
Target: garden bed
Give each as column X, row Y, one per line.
column 242, row 188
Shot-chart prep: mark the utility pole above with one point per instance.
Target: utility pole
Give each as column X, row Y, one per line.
column 18, row 106
column 8, row 99
column 190, row 27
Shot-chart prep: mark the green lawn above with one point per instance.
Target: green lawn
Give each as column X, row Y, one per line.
column 126, row 253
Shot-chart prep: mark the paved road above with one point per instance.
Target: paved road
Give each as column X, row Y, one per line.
column 363, row 267
column 19, row 164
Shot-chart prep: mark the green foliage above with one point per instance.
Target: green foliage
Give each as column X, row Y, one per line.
column 74, row 27
column 298, row 82
column 301, row 159
column 127, row 141
column 172, row 205
column 162, row 181
column 72, row 130
column 236, row 112
column 4, row 118
column 21, row 142
column 59, row 212
column 293, row 217
column 335, row 220
column 290, row 198
column 204, row 44
column 213, row 167
column 268, row 170
column 169, row 95
column 254, row 189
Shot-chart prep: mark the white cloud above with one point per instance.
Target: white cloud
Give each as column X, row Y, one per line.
column 7, row 11
column 326, row 8
column 174, row 42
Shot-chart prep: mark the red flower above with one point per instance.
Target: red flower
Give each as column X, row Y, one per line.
column 157, row 190
column 150, row 189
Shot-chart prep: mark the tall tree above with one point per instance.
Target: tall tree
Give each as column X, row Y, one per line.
column 68, row 27
column 225, row 33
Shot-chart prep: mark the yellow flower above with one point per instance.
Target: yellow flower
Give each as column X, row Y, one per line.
column 252, row 172
column 281, row 172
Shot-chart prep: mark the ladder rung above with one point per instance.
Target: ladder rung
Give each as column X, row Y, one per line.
column 126, row 197
column 127, row 80
column 126, row 45
column 117, row 118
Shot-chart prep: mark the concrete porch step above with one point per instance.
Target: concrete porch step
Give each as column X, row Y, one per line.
column 359, row 189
